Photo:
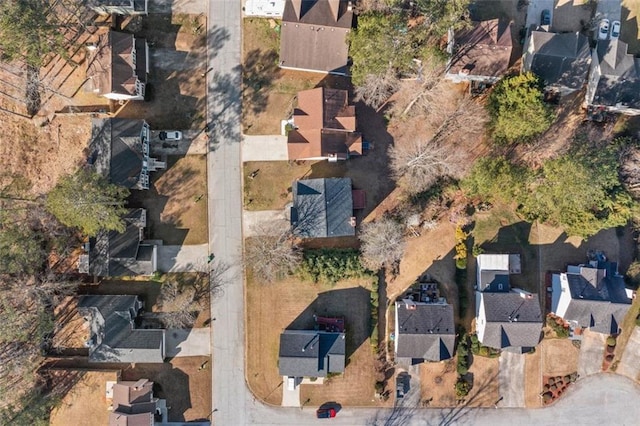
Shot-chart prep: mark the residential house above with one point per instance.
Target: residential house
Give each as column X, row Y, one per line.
column 119, row 151
column 325, row 207
column 133, row 403
column 120, row 7
column 310, row 353
column 313, row 35
column 118, row 66
column 324, row 127
column 114, row 336
column 424, row 328
column 560, row 60
column 614, row 79
column 481, row 53
column 592, row 296
column 115, row 254
column 264, row 8
column 506, row 318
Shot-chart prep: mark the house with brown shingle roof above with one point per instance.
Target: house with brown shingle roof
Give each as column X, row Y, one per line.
column 118, row 66
column 313, row 35
column 481, row 53
column 324, row 126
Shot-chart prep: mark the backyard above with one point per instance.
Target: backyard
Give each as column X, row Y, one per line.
column 176, row 89
column 291, row 304
column 176, row 202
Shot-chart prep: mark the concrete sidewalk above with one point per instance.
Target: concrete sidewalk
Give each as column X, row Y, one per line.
column 264, row 148
column 184, row 342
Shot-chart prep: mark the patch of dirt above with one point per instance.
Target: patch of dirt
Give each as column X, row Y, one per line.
column 437, row 383
column 86, row 400
column 70, row 328
column 532, row 379
column 558, row 357
column 486, row 387
column 43, row 154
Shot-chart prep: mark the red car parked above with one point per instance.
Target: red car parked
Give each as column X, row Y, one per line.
column 326, row 413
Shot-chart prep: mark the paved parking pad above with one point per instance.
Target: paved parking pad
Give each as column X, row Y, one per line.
column 630, row 362
column 591, row 353
column 511, row 377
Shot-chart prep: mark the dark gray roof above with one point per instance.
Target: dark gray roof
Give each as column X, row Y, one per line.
column 112, row 329
column 598, row 298
column 117, row 151
column 119, row 254
column 322, row 208
column 425, row 332
column 619, row 75
column 513, row 320
column 559, row 59
column 306, row 353
column 494, row 281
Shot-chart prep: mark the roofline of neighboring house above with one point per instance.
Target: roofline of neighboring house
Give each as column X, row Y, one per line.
column 316, row 71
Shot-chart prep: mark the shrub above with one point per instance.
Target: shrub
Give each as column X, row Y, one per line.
column 462, row 368
column 331, row 265
column 638, row 321
column 553, row 387
column 484, row 351
column 611, row 341
column 373, row 339
column 462, row 388
column 379, row 386
column 567, row 378
column 547, row 397
column 609, row 358
column 551, row 381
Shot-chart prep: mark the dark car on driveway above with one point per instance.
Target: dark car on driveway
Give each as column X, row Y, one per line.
column 326, row 413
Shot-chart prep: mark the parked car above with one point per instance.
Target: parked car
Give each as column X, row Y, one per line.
column 603, row 29
column 615, row 30
column 170, row 135
column 545, row 18
column 291, row 383
column 326, row 413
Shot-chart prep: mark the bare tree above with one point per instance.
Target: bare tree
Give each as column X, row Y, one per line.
column 272, row 252
column 382, row 243
column 377, row 89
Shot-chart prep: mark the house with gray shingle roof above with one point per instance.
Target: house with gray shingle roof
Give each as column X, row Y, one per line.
column 561, row 60
column 115, row 254
column 113, row 334
column 506, row 318
column 323, row 208
column 120, row 151
column 614, row 79
column 311, row 353
column 592, row 296
column 424, row 331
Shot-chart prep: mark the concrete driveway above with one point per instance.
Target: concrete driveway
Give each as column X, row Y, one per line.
column 252, row 219
column 193, row 342
column 410, row 380
column 193, row 142
column 511, row 378
column 630, row 362
column 290, row 398
column 193, row 7
column 264, row 148
column 534, row 11
column 175, row 60
column 192, row 258
column 591, row 353
column 609, row 9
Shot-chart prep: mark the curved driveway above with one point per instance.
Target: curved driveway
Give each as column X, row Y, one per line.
column 595, row 400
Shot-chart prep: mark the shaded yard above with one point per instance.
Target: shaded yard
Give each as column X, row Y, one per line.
column 175, row 85
column 290, row 304
column 437, row 381
column 486, row 386
column 176, row 202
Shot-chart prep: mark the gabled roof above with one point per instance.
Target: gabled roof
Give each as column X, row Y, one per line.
column 134, row 397
column 113, row 334
column 322, row 208
column 325, row 124
column 118, row 151
column 559, row 59
column 307, row 353
column 425, row 331
column 598, row 297
column 118, row 254
column 619, row 81
column 513, row 320
column 313, row 35
column 482, row 50
column 112, row 66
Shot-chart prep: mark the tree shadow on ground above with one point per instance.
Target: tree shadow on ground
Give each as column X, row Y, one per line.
column 351, row 303
column 260, row 70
